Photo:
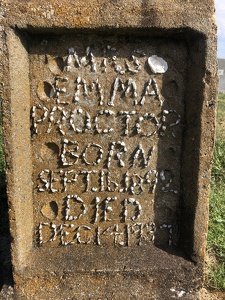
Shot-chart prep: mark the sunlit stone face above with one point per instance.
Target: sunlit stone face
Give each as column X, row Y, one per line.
column 106, row 126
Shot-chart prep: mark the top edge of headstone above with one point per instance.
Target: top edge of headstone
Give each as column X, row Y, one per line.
column 100, row 14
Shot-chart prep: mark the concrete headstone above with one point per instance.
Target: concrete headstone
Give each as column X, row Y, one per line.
column 109, row 128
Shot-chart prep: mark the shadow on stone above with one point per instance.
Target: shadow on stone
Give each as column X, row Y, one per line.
column 5, row 239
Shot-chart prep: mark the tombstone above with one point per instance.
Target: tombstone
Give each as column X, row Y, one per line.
column 109, row 127
column 221, row 66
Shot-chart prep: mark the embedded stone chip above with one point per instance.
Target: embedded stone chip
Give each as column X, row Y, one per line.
column 157, row 64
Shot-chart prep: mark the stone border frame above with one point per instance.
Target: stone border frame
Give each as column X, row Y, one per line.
column 16, row 124
column 19, row 174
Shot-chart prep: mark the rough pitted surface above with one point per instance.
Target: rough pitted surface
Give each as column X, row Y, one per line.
column 108, row 115
column 109, row 14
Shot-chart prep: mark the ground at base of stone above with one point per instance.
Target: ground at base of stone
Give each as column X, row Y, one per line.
column 205, row 295
column 7, row 293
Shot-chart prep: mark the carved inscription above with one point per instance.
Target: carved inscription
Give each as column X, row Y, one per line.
column 106, row 125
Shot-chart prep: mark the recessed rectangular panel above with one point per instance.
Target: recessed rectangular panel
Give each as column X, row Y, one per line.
column 107, row 116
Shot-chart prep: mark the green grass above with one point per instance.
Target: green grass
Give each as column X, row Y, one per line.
column 220, row 119
column 215, row 274
column 215, row 278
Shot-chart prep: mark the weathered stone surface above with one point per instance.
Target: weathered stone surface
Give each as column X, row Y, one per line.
column 109, row 127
